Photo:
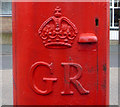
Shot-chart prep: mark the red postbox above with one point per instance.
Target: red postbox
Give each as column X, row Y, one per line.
column 61, row 53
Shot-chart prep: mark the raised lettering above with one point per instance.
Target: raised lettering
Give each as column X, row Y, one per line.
column 49, row 82
column 73, row 80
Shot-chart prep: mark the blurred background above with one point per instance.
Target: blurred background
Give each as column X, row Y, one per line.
column 6, row 97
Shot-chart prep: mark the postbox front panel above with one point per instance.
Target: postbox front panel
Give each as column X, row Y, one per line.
column 60, row 53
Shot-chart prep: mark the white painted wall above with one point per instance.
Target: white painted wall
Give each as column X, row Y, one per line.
column 114, row 35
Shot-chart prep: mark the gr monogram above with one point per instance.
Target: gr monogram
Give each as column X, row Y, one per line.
column 50, row 81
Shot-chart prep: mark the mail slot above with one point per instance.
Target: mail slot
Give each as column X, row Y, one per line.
column 61, row 53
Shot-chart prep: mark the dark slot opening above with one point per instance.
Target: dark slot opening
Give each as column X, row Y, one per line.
column 97, row 22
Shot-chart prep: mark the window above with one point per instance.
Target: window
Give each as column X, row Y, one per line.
column 6, row 9
column 114, row 13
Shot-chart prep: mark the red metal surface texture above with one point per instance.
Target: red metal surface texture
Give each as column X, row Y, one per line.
column 87, row 38
column 61, row 53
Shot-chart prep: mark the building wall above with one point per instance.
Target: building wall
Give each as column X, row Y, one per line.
column 6, row 24
column 114, row 34
column 6, row 30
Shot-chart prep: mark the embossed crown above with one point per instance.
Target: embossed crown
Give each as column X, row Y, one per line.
column 58, row 31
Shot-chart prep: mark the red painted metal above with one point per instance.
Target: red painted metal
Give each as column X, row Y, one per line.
column 87, row 38
column 55, row 61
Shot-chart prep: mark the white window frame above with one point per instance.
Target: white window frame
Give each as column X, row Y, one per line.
column 112, row 8
column 5, row 15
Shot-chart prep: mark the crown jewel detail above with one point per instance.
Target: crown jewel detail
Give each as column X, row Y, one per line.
column 58, row 31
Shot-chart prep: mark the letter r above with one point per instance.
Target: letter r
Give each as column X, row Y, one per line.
column 73, row 80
